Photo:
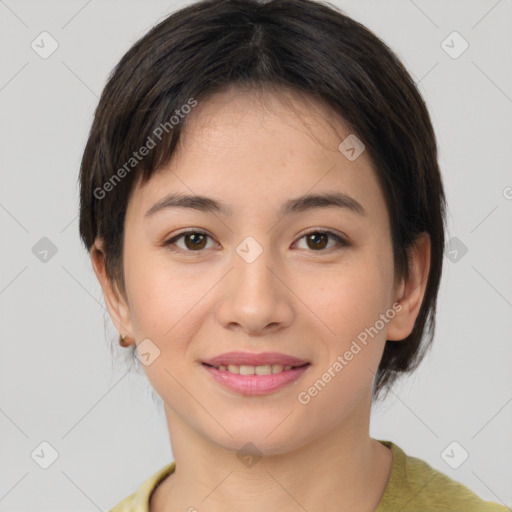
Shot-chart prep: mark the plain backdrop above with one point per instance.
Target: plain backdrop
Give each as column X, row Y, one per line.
column 61, row 384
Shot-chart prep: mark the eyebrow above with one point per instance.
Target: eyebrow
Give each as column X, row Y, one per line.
column 295, row 205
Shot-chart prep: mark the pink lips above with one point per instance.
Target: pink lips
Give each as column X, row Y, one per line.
column 255, row 384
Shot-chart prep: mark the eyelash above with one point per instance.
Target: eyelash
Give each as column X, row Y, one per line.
column 340, row 241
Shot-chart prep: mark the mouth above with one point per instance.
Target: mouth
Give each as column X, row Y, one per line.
column 266, row 369
column 248, row 363
column 255, row 374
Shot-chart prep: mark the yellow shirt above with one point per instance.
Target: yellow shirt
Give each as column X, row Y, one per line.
column 413, row 486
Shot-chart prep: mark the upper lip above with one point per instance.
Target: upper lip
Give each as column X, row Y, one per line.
column 252, row 359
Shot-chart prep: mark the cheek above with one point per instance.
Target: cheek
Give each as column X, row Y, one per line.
column 348, row 299
column 162, row 295
column 350, row 302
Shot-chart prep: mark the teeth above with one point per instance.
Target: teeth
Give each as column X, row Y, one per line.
column 263, row 370
column 245, row 369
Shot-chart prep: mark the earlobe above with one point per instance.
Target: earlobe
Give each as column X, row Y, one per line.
column 411, row 291
column 114, row 299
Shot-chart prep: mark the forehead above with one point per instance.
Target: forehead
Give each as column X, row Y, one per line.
column 240, row 119
column 253, row 148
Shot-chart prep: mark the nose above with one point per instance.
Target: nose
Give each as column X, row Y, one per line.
column 254, row 297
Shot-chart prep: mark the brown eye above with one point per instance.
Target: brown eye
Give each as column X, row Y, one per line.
column 317, row 240
column 197, row 241
column 193, row 241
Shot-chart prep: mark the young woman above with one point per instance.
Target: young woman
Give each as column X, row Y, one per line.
column 263, row 207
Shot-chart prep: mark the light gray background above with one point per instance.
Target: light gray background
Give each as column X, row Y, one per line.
column 59, row 381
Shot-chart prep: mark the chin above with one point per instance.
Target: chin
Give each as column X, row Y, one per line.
column 258, row 443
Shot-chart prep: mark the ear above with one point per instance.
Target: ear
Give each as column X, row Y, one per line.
column 115, row 301
column 410, row 292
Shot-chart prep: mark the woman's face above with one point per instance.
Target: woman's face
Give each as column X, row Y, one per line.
column 251, row 280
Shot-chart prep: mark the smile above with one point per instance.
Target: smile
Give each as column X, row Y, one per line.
column 255, row 380
column 244, row 369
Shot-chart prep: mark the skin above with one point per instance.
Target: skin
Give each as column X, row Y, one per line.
column 254, row 151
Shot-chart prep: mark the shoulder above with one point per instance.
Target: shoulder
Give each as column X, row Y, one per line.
column 139, row 500
column 414, row 485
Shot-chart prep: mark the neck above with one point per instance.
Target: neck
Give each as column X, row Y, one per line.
column 340, row 471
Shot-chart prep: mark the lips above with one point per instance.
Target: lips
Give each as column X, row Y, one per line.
column 249, row 380
column 252, row 359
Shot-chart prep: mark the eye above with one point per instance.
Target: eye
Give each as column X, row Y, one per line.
column 194, row 241
column 318, row 240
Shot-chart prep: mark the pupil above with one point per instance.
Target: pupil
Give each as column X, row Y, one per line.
column 313, row 238
column 196, row 239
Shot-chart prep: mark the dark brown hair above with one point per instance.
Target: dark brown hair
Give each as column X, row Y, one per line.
column 305, row 45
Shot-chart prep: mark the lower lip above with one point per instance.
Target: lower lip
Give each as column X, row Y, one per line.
column 256, row 384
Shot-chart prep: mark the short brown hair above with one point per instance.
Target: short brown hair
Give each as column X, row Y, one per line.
column 304, row 44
